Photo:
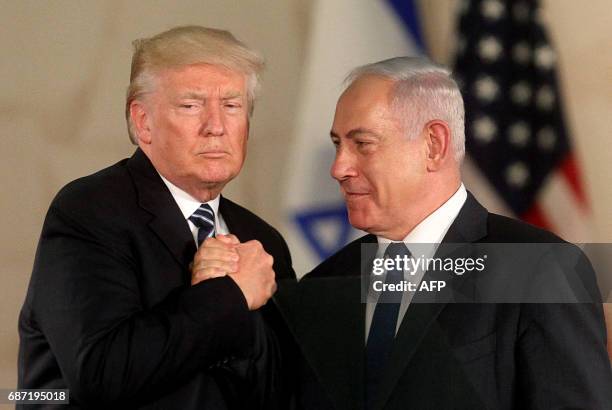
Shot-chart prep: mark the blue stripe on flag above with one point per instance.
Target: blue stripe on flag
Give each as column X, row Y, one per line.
column 337, row 215
column 408, row 13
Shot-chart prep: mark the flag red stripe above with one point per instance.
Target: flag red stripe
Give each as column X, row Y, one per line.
column 571, row 172
column 535, row 216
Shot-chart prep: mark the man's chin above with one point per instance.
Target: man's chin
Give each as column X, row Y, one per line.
column 216, row 177
column 358, row 221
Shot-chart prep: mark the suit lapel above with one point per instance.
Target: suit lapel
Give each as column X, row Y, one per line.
column 235, row 221
column 167, row 221
column 469, row 226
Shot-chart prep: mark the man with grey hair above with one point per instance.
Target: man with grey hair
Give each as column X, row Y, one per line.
column 127, row 307
column 398, row 131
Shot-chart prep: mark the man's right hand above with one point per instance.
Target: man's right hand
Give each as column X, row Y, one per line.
column 215, row 257
column 248, row 264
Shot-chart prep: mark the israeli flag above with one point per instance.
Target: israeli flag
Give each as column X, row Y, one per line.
column 344, row 34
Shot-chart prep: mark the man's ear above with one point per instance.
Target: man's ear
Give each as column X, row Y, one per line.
column 141, row 121
column 438, row 139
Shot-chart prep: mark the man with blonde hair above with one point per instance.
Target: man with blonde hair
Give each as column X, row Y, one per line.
column 127, row 306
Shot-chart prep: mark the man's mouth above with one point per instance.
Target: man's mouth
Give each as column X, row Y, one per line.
column 213, row 154
column 355, row 194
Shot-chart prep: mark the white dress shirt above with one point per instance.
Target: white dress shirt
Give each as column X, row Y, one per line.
column 426, row 236
column 188, row 204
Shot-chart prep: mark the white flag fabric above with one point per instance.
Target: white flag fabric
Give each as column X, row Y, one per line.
column 344, row 34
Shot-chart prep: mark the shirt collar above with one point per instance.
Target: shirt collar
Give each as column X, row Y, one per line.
column 186, row 203
column 433, row 228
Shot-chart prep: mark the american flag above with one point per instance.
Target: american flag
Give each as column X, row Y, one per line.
column 516, row 135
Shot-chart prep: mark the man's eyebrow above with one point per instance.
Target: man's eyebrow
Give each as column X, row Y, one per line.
column 232, row 94
column 193, row 95
column 359, row 131
column 356, row 132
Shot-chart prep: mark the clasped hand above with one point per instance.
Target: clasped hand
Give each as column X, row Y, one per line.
column 248, row 264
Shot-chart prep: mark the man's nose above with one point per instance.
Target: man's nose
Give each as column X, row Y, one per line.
column 213, row 121
column 343, row 166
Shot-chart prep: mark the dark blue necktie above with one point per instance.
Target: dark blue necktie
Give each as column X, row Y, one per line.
column 204, row 219
column 384, row 322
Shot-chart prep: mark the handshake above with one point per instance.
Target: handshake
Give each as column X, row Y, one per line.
column 248, row 264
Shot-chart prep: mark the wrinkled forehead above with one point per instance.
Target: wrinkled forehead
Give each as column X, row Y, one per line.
column 202, row 78
column 367, row 99
column 369, row 88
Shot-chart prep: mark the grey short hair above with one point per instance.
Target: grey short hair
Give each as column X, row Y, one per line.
column 423, row 91
column 186, row 45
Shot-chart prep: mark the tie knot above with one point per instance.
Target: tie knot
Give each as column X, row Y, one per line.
column 397, row 249
column 204, row 219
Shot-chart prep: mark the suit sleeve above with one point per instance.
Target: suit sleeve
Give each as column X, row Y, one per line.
column 108, row 347
column 562, row 356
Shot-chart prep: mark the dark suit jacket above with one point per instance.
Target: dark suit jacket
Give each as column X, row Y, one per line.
column 110, row 313
column 450, row 355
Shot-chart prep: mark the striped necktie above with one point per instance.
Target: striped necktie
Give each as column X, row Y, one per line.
column 204, row 219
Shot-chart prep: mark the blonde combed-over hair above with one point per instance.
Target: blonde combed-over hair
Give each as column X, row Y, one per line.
column 183, row 46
